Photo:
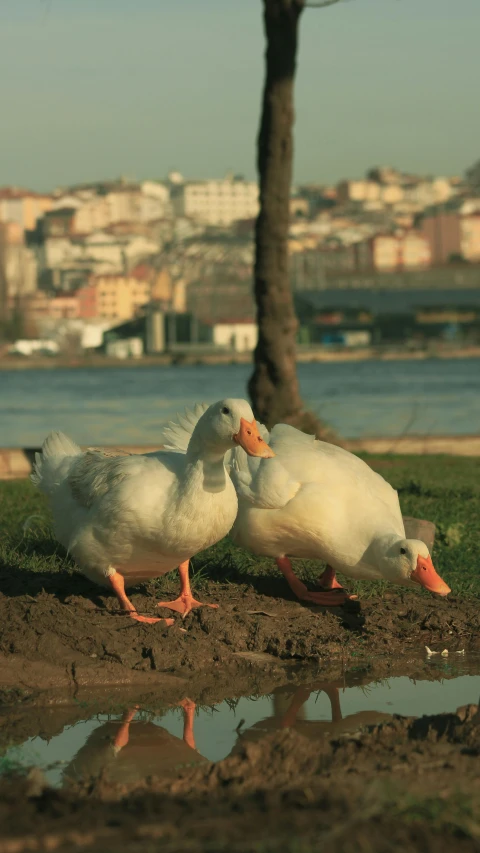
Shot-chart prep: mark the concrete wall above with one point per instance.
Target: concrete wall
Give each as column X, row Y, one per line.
column 241, row 337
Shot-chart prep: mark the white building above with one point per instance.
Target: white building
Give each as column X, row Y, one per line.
column 426, row 193
column 102, row 252
column 123, row 205
column 216, row 202
column 240, row 337
column 360, row 191
column 154, row 201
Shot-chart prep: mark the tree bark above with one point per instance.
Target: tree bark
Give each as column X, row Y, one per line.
column 273, row 387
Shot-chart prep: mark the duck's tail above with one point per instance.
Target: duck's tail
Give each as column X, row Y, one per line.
column 53, row 463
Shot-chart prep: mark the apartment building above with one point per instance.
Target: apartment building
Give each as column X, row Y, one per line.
column 118, row 297
column 216, row 202
column 23, row 207
column 470, row 237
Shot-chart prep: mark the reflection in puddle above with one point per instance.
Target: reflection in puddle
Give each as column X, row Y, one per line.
column 132, row 746
column 127, row 750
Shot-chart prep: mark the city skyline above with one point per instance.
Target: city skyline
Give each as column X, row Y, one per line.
column 84, row 97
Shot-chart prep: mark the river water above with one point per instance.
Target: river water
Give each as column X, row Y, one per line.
column 127, row 405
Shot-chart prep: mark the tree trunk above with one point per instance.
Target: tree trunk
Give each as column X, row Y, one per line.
column 273, row 387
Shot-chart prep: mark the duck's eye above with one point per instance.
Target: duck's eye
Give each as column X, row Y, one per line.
column 225, row 411
column 403, row 550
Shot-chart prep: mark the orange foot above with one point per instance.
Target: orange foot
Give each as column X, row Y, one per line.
column 150, row 620
column 328, row 598
column 184, row 604
column 117, row 582
column 328, row 581
column 188, row 719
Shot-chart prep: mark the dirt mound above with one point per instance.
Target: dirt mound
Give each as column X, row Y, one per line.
column 406, row 784
column 64, row 633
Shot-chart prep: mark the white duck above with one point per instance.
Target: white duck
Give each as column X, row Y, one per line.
column 125, row 519
column 317, row 501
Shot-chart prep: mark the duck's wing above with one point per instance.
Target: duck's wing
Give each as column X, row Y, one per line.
column 311, row 461
column 264, row 483
column 95, row 473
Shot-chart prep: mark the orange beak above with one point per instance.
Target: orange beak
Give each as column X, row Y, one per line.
column 252, row 442
column 426, row 576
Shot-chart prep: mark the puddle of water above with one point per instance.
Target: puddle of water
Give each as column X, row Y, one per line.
column 131, row 746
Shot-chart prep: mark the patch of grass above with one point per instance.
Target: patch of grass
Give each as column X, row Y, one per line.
column 12, row 761
column 453, row 811
column 442, row 489
column 446, row 491
column 27, row 542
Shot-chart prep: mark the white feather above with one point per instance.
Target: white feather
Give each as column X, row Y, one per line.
column 176, row 435
column 58, row 451
column 142, row 514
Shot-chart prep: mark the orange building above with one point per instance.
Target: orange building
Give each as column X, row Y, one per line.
column 118, row 297
column 23, row 206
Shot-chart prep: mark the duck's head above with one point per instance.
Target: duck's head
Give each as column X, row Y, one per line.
column 228, row 423
column 411, row 564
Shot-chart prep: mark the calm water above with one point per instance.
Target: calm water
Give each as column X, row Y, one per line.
column 128, row 405
column 157, row 745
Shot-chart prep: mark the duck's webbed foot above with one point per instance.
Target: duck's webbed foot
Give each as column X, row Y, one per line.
column 118, row 586
column 185, row 601
column 184, row 604
column 150, row 620
column 328, row 581
column 329, row 598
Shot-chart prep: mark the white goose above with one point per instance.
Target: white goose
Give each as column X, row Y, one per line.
column 317, row 501
column 127, row 519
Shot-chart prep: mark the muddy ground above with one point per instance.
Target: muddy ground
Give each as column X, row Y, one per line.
column 399, row 785
column 403, row 785
column 66, row 635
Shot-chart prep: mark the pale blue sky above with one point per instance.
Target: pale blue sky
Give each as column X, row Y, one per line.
column 98, row 88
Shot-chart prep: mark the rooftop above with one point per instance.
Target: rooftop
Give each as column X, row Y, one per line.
column 387, row 301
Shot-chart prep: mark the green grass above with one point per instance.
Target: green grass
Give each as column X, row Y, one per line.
column 445, row 490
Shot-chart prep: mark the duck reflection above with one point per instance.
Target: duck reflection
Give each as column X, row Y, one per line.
column 120, row 752
column 127, row 751
column 289, row 711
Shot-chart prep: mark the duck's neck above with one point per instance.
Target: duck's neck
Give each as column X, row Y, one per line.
column 382, row 549
column 383, row 544
column 209, row 464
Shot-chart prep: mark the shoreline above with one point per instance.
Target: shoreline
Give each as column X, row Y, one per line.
column 177, row 359
column 16, row 462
